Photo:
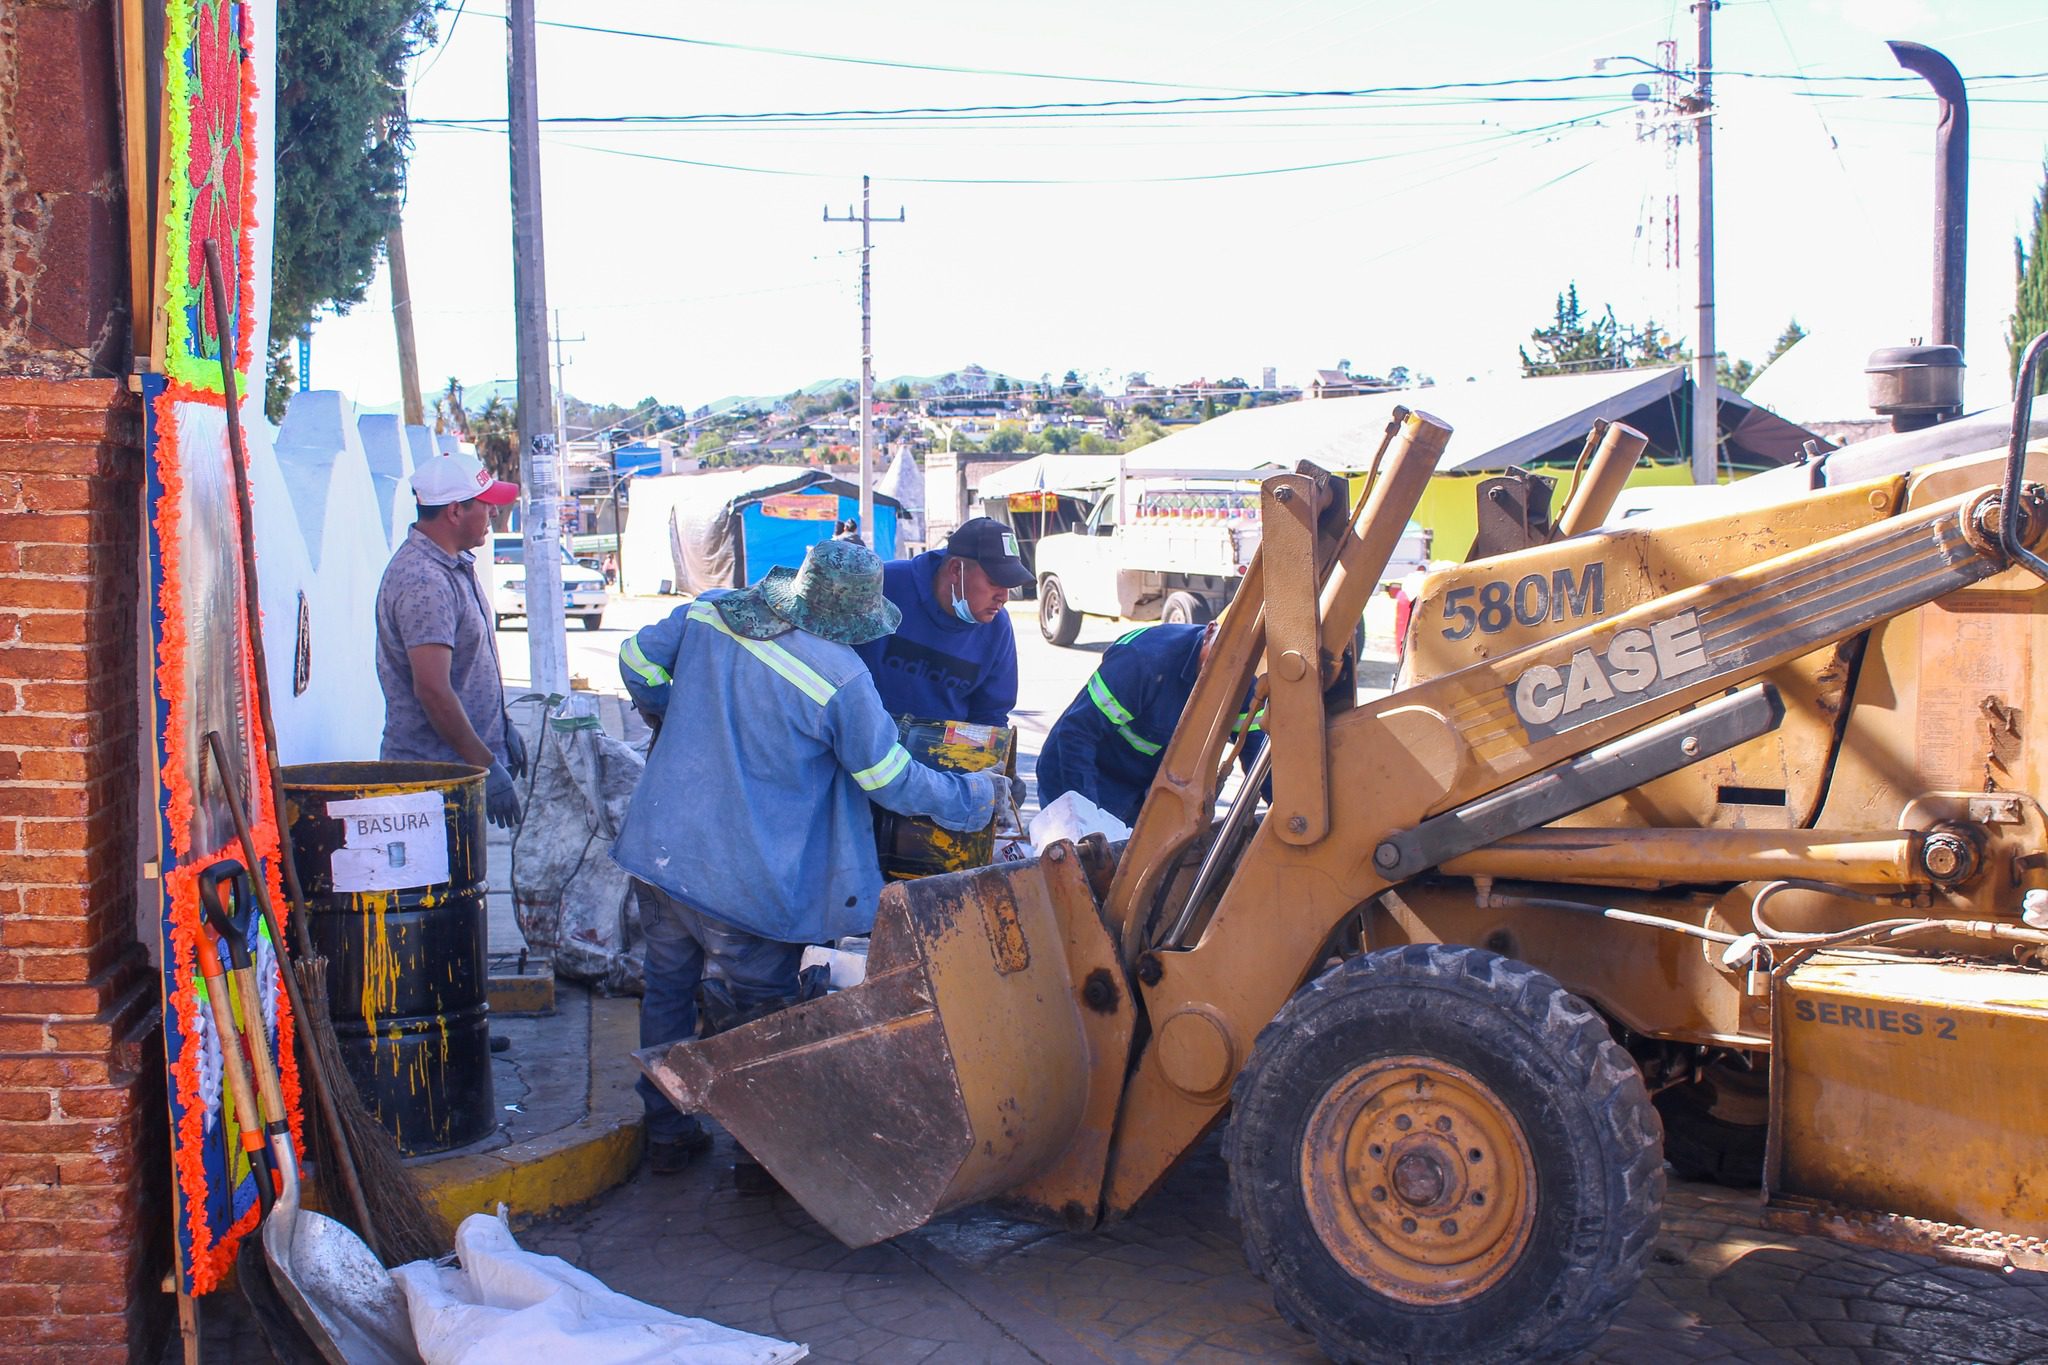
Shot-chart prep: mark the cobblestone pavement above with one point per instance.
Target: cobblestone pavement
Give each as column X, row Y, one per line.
column 1170, row 1284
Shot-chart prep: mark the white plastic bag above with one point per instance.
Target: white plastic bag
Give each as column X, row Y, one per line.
column 504, row 1305
column 1073, row 816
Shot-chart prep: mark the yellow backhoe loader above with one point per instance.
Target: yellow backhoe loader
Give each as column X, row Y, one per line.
column 1736, row 819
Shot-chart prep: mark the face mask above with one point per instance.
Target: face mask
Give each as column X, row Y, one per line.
column 960, row 607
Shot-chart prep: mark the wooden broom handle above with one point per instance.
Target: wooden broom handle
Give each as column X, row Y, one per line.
column 252, row 605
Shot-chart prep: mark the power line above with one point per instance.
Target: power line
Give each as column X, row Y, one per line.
column 890, row 63
column 1506, row 136
column 1132, row 108
column 1043, row 106
column 1234, row 91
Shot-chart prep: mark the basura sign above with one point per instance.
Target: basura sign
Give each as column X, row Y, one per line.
column 1634, row 665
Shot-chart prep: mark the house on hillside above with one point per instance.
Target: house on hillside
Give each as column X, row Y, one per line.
column 1340, row 384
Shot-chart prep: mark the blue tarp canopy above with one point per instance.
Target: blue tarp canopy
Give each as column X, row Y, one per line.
column 638, row 458
column 726, row 529
column 778, row 528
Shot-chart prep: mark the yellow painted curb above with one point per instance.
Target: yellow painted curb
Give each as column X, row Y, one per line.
column 533, row 993
column 571, row 1165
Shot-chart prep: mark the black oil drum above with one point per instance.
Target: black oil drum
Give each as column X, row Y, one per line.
column 391, row 856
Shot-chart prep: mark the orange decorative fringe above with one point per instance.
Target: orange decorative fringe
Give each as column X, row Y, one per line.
column 210, row 1257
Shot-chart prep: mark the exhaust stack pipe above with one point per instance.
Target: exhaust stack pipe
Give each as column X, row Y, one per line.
column 1951, row 184
column 1918, row 386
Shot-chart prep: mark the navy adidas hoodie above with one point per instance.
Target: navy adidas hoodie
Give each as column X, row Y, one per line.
column 936, row 666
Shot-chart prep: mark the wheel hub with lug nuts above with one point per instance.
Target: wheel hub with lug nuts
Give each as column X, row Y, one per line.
column 1418, row 1180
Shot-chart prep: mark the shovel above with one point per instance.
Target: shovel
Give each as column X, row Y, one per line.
column 331, row 1282
column 287, row 1340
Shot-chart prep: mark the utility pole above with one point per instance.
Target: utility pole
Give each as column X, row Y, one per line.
column 1706, row 384
column 867, row 361
column 562, row 412
column 561, row 390
column 401, row 318
column 540, row 457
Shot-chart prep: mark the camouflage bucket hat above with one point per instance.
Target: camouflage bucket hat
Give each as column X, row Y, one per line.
column 837, row 594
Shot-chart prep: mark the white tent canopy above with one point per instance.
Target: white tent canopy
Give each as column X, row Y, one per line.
column 1495, row 423
column 903, row 481
column 1054, row 474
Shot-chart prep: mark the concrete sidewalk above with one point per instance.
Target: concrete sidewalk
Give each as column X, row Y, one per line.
column 568, row 1120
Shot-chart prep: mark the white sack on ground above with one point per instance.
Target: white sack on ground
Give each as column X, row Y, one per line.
column 573, row 903
column 505, row 1305
column 1074, row 816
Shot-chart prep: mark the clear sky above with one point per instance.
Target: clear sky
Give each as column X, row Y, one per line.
column 1430, row 229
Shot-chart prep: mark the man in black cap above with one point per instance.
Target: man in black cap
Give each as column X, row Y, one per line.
column 954, row 657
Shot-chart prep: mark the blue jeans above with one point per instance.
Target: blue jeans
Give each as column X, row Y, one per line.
column 758, row 973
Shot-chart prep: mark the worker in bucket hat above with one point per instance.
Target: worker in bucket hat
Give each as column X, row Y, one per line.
column 750, row 834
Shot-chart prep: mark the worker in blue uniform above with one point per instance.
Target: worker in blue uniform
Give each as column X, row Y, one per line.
column 751, row 832
column 954, row 655
column 1107, row 743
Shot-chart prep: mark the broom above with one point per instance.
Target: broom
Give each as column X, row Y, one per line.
column 392, row 1212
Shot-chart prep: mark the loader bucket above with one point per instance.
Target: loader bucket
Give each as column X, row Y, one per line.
column 983, row 1056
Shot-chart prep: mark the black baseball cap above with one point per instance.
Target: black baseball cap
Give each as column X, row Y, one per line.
column 992, row 545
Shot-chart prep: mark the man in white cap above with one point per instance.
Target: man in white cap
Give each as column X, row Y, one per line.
column 750, row 833
column 437, row 653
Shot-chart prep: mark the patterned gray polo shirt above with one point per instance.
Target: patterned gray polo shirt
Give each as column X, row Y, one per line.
column 430, row 597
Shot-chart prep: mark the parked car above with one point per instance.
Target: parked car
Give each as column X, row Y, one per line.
column 583, row 591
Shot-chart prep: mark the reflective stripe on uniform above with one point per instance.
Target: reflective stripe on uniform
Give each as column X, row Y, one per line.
column 651, row 673
column 1137, row 741
column 806, row 679
column 1132, row 635
column 888, row 770
column 1105, row 700
column 1119, row 716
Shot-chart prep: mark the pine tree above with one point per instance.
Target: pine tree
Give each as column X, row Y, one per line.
column 1787, row 339
column 1573, row 343
column 2030, row 287
column 341, row 148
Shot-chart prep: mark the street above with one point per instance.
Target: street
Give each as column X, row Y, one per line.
column 1048, row 677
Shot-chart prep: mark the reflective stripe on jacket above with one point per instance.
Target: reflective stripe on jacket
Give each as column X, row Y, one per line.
column 1107, row 744
column 754, row 805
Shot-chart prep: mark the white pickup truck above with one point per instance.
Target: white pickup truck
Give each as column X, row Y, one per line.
column 1165, row 545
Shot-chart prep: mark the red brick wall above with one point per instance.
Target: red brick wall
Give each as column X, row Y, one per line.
column 63, row 223
column 84, row 1169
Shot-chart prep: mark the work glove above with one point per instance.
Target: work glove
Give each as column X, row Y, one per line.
column 515, row 749
column 1002, row 808
column 501, row 798
column 1018, row 795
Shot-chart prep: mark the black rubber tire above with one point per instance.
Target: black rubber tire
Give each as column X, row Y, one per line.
column 1184, row 609
column 1592, row 1134
column 594, row 622
column 1057, row 622
column 1701, row 1139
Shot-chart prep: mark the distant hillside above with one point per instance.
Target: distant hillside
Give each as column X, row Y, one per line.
column 475, row 396
column 824, row 386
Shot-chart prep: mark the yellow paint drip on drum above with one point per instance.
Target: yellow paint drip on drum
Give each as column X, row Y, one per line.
column 380, row 962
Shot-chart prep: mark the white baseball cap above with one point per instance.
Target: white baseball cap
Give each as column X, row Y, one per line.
column 457, row 476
